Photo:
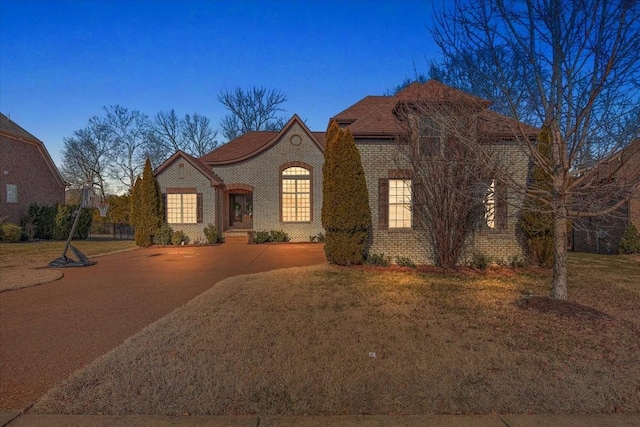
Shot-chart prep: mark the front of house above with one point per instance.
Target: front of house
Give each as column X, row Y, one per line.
column 265, row 181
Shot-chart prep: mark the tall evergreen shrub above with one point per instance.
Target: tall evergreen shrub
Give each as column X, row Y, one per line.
column 536, row 221
column 147, row 211
column 346, row 216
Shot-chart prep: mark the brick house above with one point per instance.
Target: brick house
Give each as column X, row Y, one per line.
column 27, row 172
column 621, row 173
column 273, row 180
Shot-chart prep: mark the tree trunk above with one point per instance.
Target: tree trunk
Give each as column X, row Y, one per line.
column 559, row 284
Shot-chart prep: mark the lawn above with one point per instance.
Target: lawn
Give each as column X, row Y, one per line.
column 25, row 264
column 331, row 340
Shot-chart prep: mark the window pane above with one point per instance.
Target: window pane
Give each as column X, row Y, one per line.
column 189, row 208
column 295, row 171
column 173, row 208
column 400, row 213
column 296, row 195
column 490, row 205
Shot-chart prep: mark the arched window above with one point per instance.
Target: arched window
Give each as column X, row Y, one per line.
column 295, row 194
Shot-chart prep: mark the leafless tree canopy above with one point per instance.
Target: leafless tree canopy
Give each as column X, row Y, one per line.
column 192, row 134
column 252, row 110
column 86, row 156
column 578, row 70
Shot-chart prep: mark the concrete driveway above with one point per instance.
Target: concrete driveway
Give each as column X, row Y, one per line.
column 49, row 331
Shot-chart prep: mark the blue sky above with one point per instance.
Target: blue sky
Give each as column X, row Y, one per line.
column 62, row 61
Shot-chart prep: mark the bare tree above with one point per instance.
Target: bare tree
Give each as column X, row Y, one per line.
column 254, row 109
column 86, row 156
column 199, row 138
column 128, row 131
column 580, row 62
column 457, row 191
column 168, row 133
column 165, row 136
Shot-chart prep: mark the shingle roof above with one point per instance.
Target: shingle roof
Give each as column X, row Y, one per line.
column 7, row 125
column 253, row 143
column 374, row 116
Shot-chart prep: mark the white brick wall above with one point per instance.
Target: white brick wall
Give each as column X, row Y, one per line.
column 187, row 176
column 262, row 173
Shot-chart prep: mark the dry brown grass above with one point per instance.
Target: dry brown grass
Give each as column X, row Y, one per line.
column 301, row 341
column 25, row 264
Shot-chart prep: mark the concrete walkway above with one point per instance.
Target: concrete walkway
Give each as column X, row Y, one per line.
column 49, row 331
column 13, row 419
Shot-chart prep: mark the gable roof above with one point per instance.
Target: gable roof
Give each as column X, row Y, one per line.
column 201, row 167
column 374, row 116
column 253, row 143
column 12, row 130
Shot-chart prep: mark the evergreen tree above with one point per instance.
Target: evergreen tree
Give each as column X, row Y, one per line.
column 536, row 221
column 346, row 216
column 147, row 212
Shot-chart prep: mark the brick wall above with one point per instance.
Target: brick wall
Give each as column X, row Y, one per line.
column 262, row 173
column 22, row 163
column 378, row 159
column 186, row 176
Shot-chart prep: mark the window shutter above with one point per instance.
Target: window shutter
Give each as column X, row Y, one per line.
column 166, row 208
column 199, row 208
column 383, row 204
column 501, row 205
column 417, row 194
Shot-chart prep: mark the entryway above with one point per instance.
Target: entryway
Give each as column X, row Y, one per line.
column 241, row 211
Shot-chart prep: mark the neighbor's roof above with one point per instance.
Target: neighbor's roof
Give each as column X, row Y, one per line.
column 11, row 129
column 374, row 116
column 253, row 143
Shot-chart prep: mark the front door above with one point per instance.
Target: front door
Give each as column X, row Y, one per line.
column 241, row 211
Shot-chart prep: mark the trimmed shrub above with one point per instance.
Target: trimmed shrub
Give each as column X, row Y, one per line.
column 11, row 233
column 630, row 242
column 403, row 261
column 178, row 237
column 260, row 237
column 480, row 261
column 377, row 259
column 278, row 236
column 212, row 234
column 346, row 216
column 318, row 238
column 164, row 235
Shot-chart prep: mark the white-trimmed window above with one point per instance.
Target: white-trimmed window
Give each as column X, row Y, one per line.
column 296, row 194
column 400, row 210
column 184, row 208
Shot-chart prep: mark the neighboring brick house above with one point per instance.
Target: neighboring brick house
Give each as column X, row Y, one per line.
column 27, row 172
column 273, row 180
column 602, row 234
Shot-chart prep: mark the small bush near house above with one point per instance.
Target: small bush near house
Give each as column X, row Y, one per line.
column 279, row 236
column 39, row 221
column 164, row 235
column 261, row 237
column 178, row 237
column 377, row 259
column 630, row 242
column 403, row 261
column 212, row 234
column 11, row 233
column 480, row 261
column 318, row 238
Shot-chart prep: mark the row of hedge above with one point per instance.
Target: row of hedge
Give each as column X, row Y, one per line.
column 47, row 222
